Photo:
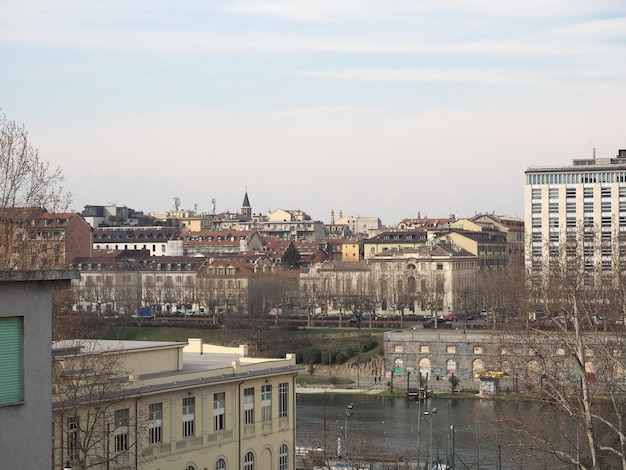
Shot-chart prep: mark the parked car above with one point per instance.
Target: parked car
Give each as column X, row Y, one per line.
column 452, row 317
column 352, row 321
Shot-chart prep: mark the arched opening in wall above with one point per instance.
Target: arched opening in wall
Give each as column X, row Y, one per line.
column 266, row 459
column 398, row 367
column 590, row 371
column 478, row 366
column 425, row 366
column 505, row 366
column 451, row 367
column 533, row 372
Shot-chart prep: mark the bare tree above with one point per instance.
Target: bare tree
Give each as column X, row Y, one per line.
column 26, row 181
column 265, row 293
column 575, row 366
column 94, row 424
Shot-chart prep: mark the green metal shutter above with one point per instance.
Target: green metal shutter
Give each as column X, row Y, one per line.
column 11, row 359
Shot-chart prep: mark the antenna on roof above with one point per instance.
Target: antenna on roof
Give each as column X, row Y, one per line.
column 213, row 205
column 176, row 203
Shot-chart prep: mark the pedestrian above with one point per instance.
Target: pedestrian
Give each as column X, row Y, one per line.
column 374, row 380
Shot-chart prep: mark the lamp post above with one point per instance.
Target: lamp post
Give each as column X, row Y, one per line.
column 430, row 443
column 452, row 430
column 419, row 416
column 349, row 413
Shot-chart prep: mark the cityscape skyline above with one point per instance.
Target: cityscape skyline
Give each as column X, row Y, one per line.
column 367, row 108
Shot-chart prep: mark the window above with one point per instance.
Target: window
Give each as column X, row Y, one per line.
column 72, row 438
column 451, row 349
column 536, row 208
column 155, row 424
column 266, row 403
column 605, row 192
column 398, row 348
column 478, row 349
column 553, row 193
column 121, row 430
column 283, row 399
column 220, row 464
column 11, row 366
column 553, row 207
column 283, row 457
column 570, row 193
column 536, row 193
column 570, row 207
column 424, row 348
column 248, row 461
column 189, row 405
column 248, row 405
column 219, row 413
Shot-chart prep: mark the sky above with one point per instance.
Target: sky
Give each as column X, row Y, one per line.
column 370, row 108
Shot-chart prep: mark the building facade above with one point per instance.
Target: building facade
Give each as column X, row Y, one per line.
column 159, row 241
column 576, row 211
column 431, row 278
column 25, row 335
column 171, row 405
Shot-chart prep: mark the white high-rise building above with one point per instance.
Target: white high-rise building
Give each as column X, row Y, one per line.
column 578, row 211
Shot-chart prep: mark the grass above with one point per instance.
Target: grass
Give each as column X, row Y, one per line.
column 304, row 378
column 279, row 341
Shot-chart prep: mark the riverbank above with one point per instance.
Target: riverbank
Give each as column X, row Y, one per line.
column 358, row 385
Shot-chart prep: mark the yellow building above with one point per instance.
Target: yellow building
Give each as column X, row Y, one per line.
column 170, row 405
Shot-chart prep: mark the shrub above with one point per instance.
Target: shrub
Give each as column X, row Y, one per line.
column 368, row 344
column 312, row 355
column 340, row 358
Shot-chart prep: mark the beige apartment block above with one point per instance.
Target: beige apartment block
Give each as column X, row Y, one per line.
column 171, row 406
column 581, row 207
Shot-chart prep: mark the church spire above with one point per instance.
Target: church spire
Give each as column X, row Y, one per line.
column 246, row 210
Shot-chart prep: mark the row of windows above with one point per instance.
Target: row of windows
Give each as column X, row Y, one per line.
column 127, row 247
column 588, row 206
column 570, row 193
column 155, row 421
column 576, row 178
column 504, row 351
column 572, row 222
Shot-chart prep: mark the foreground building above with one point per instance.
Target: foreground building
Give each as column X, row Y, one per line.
column 25, row 334
column 170, row 405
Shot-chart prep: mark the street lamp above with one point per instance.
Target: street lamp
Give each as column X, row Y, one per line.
column 452, row 430
column 349, row 413
column 430, row 443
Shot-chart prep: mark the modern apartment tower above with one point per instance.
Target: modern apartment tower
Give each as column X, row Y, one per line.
column 576, row 212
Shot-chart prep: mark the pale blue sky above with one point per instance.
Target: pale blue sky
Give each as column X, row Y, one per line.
column 373, row 108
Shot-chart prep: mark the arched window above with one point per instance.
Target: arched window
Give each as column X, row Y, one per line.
column 283, row 457
column 220, row 464
column 190, row 467
column 248, row 461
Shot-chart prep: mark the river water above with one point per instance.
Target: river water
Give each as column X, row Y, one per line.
column 388, row 427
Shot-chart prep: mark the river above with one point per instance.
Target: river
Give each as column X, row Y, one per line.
column 387, row 426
